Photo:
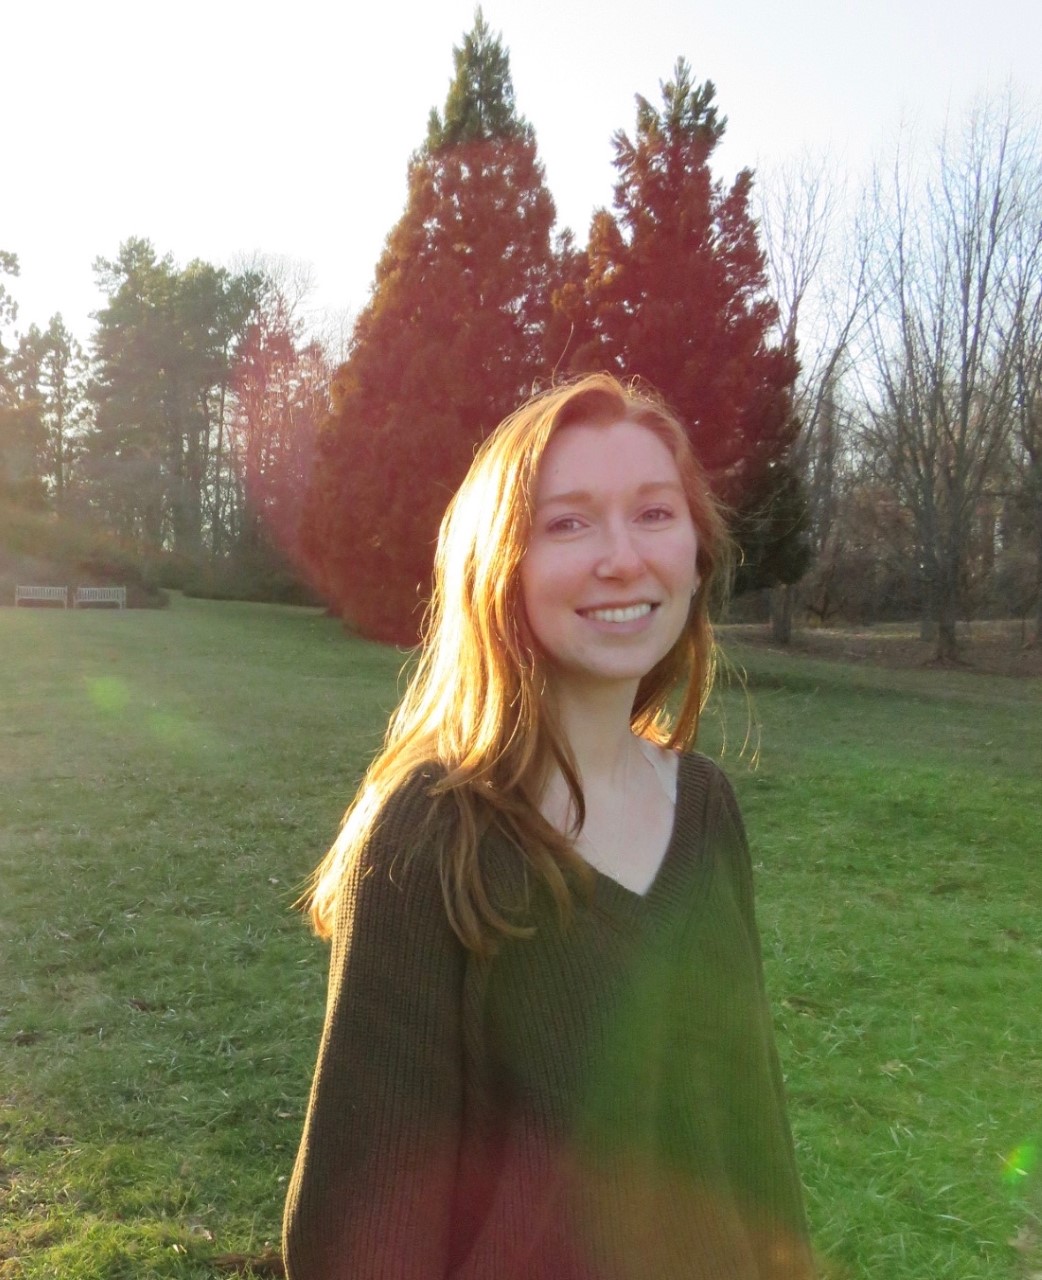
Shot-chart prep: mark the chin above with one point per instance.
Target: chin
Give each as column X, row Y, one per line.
column 606, row 673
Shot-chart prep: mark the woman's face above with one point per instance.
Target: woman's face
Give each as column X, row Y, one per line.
column 610, row 567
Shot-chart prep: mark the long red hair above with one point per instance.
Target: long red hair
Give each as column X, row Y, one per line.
column 475, row 705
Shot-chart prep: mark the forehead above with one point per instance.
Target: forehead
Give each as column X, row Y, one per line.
column 604, row 457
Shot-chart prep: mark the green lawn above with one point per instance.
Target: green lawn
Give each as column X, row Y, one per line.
column 167, row 778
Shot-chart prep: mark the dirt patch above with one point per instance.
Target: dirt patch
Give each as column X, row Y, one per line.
column 987, row 648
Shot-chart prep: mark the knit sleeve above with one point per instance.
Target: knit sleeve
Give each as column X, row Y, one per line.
column 371, row 1193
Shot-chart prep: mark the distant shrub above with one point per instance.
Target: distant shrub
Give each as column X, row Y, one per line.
column 39, row 548
column 170, row 570
column 258, row 574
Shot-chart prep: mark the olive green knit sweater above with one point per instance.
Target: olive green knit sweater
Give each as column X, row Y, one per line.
column 599, row 1102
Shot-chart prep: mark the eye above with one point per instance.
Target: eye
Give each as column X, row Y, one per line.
column 656, row 515
column 564, row 524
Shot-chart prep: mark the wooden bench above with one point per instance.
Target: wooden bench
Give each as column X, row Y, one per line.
column 100, row 595
column 50, row 595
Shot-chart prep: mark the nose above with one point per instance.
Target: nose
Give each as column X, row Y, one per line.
column 620, row 556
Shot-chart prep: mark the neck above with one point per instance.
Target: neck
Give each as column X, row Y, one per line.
column 596, row 724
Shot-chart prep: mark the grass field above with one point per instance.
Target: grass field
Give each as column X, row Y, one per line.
column 166, row 779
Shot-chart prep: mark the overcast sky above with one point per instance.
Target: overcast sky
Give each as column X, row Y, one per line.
column 222, row 128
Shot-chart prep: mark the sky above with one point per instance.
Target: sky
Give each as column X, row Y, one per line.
column 224, row 129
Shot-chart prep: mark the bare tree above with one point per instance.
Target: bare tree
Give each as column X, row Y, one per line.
column 821, row 294
column 258, row 416
column 279, row 392
column 1026, row 360
column 937, row 376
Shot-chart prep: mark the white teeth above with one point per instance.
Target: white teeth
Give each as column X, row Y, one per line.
column 629, row 614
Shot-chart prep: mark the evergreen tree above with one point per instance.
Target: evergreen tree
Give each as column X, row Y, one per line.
column 8, row 306
column 163, row 349
column 63, row 384
column 23, row 441
column 676, row 293
column 9, row 463
column 42, row 423
column 450, row 341
column 480, row 103
column 136, row 392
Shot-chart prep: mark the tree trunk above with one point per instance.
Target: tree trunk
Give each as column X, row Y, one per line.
column 782, row 600
column 1038, row 591
column 947, row 612
column 947, row 642
column 928, row 616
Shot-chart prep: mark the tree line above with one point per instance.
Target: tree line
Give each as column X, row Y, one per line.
column 920, row 393
column 183, row 441
column 862, row 378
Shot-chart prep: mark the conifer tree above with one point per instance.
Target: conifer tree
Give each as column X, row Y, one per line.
column 147, row 389
column 23, row 437
column 449, row 342
column 48, row 412
column 8, row 306
column 676, row 292
column 164, row 347
column 8, row 311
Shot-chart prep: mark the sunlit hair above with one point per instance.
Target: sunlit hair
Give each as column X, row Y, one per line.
column 477, row 706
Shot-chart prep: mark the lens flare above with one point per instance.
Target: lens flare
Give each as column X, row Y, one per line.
column 1020, row 1163
column 114, row 698
column 108, row 693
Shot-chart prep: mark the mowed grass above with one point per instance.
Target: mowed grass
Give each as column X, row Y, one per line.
column 167, row 779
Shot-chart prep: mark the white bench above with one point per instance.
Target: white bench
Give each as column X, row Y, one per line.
column 100, row 595
column 50, row 594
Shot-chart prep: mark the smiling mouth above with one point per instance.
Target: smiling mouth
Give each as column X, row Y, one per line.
column 628, row 614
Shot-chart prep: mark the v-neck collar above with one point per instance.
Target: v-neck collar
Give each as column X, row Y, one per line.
column 672, row 881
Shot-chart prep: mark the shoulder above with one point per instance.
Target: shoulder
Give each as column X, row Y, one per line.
column 398, row 858
column 413, row 810
column 707, row 804
column 703, row 785
column 722, row 829
column 391, row 897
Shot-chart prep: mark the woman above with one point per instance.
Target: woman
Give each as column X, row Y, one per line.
column 547, row 1050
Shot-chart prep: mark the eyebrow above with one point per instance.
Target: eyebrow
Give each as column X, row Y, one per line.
column 585, row 495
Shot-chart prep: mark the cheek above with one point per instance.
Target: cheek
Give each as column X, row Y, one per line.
column 677, row 562
column 544, row 590
column 533, row 579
